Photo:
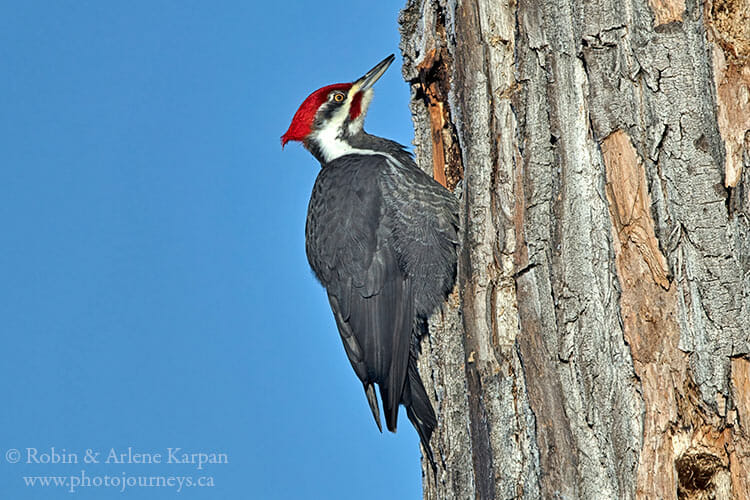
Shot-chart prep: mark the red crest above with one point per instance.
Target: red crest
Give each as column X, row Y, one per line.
column 303, row 119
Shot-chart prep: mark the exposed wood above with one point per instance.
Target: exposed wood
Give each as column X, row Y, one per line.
column 648, row 308
column 728, row 23
column 667, row 11
column 447, row 167
column 733, row 112
column 630, row 205
column 739, row 449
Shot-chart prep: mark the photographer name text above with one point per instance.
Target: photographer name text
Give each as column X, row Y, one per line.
column 128, row 456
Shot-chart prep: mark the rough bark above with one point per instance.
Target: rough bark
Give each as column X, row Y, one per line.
column 597, row 342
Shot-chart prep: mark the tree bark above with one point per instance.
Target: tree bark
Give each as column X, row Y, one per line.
column 596, row 345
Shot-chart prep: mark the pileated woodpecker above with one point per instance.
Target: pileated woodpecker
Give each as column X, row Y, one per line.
column 381, row 237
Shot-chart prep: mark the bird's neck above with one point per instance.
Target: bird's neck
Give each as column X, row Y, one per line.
column 326, row 147
column 328, row 144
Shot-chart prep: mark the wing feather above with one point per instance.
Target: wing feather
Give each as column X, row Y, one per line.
column 351, row 250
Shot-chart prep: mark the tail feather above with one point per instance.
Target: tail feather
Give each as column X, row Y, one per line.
column 372, row 400
column 419, row 409
column 394, row 374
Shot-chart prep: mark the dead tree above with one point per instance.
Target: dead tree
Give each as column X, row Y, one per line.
column 597, row 342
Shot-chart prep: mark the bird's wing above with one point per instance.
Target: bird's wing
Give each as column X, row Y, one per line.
column 425, row 216
column 350, row 248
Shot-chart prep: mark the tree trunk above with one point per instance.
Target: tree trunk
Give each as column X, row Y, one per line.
column 597, row 342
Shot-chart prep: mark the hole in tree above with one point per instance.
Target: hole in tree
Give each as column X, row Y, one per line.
column 695, row 474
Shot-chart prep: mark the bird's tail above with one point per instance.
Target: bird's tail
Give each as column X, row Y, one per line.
column 418, row 407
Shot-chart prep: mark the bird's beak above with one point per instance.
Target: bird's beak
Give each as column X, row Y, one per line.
column 373, row 75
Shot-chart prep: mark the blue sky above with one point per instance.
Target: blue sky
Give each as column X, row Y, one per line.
column 154, row 290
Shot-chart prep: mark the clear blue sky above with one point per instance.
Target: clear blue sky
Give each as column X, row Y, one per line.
column 154, row 290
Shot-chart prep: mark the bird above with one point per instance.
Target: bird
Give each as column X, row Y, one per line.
column 381, row 236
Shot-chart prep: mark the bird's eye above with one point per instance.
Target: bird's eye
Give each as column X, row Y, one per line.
column 338, row 97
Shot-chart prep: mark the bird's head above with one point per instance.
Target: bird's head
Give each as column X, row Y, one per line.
column 332, row 114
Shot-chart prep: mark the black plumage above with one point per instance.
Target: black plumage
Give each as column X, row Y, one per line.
column 381, row 237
